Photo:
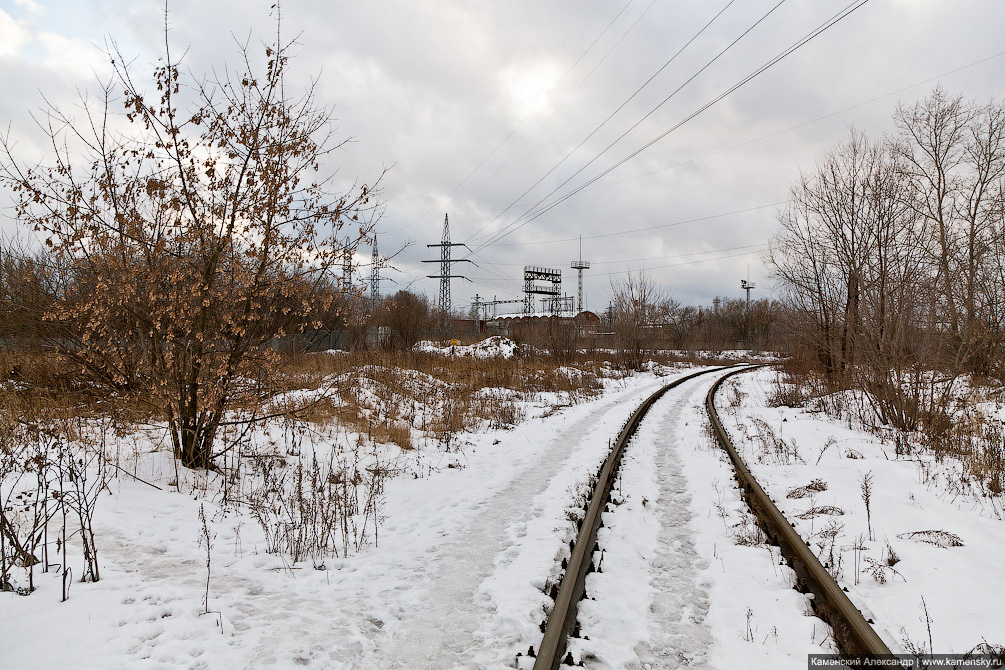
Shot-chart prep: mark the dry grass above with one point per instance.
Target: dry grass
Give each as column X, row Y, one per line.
column 947, row 426
column 388, row 395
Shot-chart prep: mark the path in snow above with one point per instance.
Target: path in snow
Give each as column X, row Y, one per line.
column 676, row 590
column 648, row 603
column 680, row 604
column 449, row 618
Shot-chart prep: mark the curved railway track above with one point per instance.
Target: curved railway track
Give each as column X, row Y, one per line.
column 853, row 634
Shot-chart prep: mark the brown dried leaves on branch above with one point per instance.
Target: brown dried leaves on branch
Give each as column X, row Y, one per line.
column 193, row 229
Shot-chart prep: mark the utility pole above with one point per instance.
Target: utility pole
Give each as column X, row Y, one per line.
column 747, row 285
column 445, row 268
column 581, row 265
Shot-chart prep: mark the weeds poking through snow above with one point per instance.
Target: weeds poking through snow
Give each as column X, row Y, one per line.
column 827, row 445
column 322, row 508
column 829, row 535
column 822, row 510
column 857, row 548
column 881, row 572
column 940, row 538
column 814, row 486
column 205, row 541
column 919, row 649
column 866, row 488
column 773, row 447
column 891, row 556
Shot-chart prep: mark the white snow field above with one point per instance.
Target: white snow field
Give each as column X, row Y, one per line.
column 675, row 589
column 467, row 542
column 472, row 537
column 943, row 588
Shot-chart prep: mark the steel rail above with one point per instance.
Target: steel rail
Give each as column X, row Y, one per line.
column 562, row 619
column 853, row 634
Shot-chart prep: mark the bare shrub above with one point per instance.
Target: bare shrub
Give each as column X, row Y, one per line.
column 773, row 447
column 195, row 227
column 979, row 443
column 320, row 508
column 792, row 386
column 48, row 469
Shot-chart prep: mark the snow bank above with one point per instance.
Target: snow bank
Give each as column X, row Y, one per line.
column 490, row 347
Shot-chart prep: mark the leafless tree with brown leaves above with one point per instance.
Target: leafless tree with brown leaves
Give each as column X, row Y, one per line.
column 201, row 220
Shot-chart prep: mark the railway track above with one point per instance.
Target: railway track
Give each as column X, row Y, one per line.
column 853, row 634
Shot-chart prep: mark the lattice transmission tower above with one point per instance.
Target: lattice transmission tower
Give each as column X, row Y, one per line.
column 374, row 276
column 446, row 262
column 581, row 265
column 346, row 265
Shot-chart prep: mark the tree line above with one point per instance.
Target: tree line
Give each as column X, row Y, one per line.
column 891, row 258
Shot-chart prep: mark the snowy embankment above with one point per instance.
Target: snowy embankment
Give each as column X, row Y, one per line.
column 467, row 540
column 918, row 553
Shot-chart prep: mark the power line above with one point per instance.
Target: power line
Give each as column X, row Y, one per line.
column 527, row 116
column 611, row 116
column 677, row 265
column 650, row 112
column 642, row 230
column 803, row 124
column 516, row 225
column 559, row 107
column 659, row 258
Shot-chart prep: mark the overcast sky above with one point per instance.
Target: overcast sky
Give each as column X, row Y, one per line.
column 474, row 102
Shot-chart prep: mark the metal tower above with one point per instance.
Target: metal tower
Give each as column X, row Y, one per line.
column 346, row 265
column 445, row 266
column 747, row 286
column 581, row 265
column 542, row 281
column 374, row 276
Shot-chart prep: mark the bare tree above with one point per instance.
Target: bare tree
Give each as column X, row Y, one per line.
column 825, row 243
column 408, row 316
column 640, row 312
column 201, row 219
column 931, row 147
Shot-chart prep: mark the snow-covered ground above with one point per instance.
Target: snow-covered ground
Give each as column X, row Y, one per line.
column 472, row 537
column 490, row 347
column 683, row 581
column 925, row 561
column 469, row 538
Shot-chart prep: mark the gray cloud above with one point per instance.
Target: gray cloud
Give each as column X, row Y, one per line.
column 434, row 87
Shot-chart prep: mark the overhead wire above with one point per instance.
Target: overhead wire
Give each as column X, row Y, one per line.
column 659, row 258
column 526, row 116
column 611, row 115
column 799, row 125
column 557, row 109
column 677, row 265
column 517, row 224
column 698, row 219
